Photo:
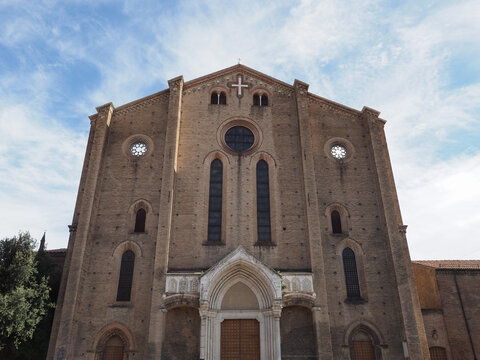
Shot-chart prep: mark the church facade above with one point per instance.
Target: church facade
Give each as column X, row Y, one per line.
column 235, row 216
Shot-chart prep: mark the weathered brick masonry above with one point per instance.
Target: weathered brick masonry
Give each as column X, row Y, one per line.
column 214, row 253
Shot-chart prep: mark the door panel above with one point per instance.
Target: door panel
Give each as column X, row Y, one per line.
column 240, row 340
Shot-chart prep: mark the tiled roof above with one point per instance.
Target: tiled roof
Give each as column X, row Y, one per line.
column 450, row 264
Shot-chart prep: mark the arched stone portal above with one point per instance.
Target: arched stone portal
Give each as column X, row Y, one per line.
column 240, row 287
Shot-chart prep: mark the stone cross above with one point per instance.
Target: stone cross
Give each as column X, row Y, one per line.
column 240, row 85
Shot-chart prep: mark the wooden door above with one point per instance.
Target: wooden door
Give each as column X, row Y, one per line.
column 240, row 340
column 363, row 350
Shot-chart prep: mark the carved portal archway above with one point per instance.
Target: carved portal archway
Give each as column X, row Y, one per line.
column 237, row 270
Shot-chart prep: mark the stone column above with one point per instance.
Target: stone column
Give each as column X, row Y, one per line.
column 322, row 321
column 277, row 312
column 162, row 244
column 407, row 292
column 62, row 346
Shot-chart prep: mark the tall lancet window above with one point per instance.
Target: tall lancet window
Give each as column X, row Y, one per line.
column 263, row 203
column 215, row 201
column 126, row 276
column 351, row 274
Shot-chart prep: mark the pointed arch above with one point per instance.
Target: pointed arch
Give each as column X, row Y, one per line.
column 240, row 266
column 338, row 218
column 263, row 196
column 125, row 279
column 140, row 212
column 119, row 332
column 350, row 271
column 359, row 261
column 364, row 337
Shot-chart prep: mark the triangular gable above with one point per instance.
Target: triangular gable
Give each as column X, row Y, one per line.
column 229, row 75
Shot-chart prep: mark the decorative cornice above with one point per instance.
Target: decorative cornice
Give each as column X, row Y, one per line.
column 160, row 97
column 247, row 78
column 228, row 76
column 333, row 106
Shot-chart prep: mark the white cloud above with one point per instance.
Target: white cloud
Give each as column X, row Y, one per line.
column 441, row 208
column 40, row 163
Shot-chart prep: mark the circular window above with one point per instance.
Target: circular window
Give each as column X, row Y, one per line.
column 239, row 138
column 338, row 152
column 138, row 149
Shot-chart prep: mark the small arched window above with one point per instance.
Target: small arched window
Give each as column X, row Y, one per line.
column 214, row 98
column 263, row 100
column 218, row 98
column 215, row 201
column 263, row 202
column 140, row 219
column 351, row 274
column 126, row 276
column 363, row 348
column 260, row 100
column 438, row 353
column 113, row 349
column 222, row 100
column 336, row 222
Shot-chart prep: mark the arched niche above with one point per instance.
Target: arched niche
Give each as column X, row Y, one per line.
column 239, row 297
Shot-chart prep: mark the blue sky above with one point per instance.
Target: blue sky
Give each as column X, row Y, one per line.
column 416, row 62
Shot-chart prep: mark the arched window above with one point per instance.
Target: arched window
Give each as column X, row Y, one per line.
column 214, row 98
column 351, row 274
column 256, row 100
column 222, row 99
column 263, row 100
column 215, row 201
column 336, row 222
column 260, row 100
column 362, row 344
column 126, row 276
column 438, row 353
column 263, row 202
column 114, row 349
column 140, row 220
column 218, row 98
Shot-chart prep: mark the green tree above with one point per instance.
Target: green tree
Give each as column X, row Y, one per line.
column 24, row 294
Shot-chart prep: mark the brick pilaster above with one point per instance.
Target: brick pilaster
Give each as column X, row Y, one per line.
column 320, row 315
column 409, row 303
column 157, row 312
